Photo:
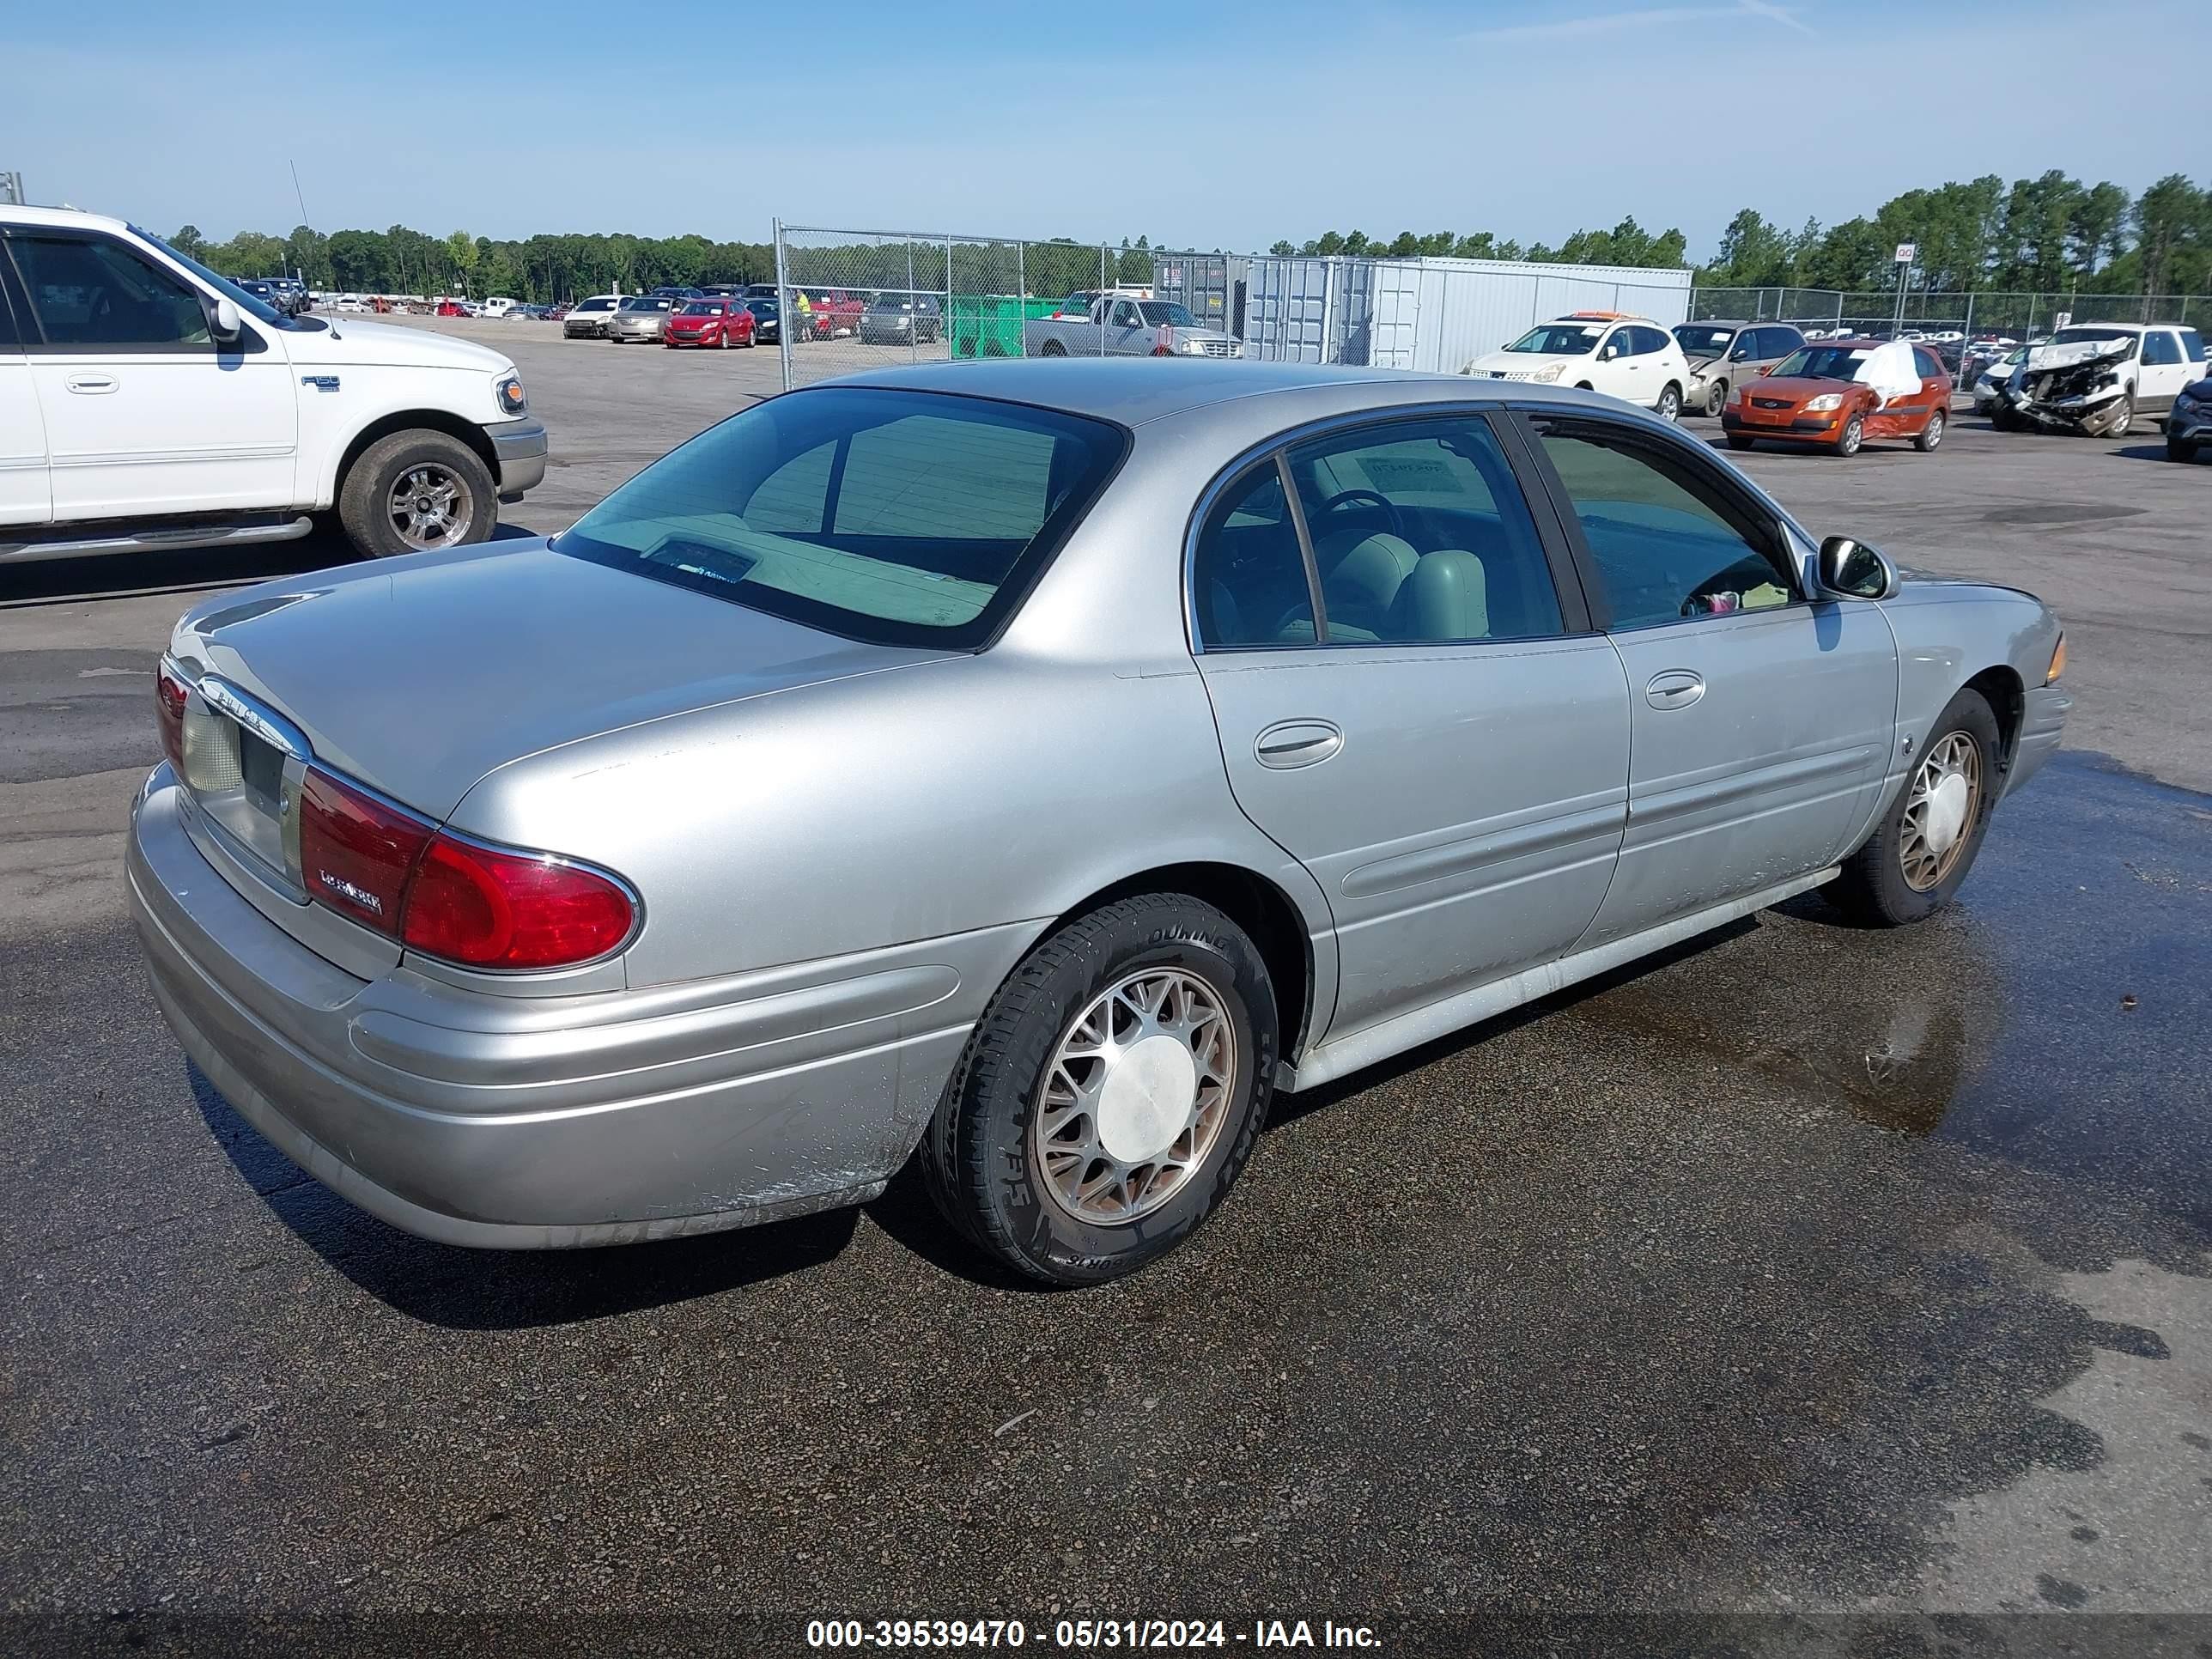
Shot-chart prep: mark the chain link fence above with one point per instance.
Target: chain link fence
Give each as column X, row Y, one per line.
column 855, row 300
column 2021, row 315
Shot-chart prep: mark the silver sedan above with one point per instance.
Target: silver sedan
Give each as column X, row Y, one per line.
column 1030, row 768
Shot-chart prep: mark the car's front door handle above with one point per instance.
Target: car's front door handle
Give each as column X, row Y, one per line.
column 1289, row 744
column 1677, row 688
column 90, row 385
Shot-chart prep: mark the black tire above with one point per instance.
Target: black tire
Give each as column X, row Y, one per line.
column 368, row 484
column 2180, row 449
column 1737, row 441
column 1669, row 406
column 977, row 1154
column 1872, row 889
column 2003, row 419
column 1715, row 398
column 1051, row 349
column 1853, row 435
column 1931, row 434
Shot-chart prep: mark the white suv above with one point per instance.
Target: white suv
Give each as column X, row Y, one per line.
column 146, row 402
column 1631, row 358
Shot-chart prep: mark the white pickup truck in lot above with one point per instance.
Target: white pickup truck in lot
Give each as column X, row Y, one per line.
column 1120, row 326
column 147, row 402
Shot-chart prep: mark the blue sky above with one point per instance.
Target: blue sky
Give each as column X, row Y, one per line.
column 1221, row 124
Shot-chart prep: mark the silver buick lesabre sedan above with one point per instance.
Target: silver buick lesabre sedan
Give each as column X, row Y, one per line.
column 1031, row 767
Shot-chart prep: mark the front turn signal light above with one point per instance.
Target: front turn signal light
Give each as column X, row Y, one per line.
column 2057, row 661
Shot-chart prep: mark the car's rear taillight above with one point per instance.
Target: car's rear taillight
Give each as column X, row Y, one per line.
column 478, row 906
column 484, row 909
column 356, row 852
column 169, row 696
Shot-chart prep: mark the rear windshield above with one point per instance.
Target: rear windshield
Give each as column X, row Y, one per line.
column 902, row 518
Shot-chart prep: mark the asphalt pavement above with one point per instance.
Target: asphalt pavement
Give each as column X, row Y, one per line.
column 1807, row 1271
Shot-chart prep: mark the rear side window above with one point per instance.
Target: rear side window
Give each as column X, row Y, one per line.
column 2192, row 345
column 2159, row 348
column 902, row 518
column 1924, row 360
column 1248, row 580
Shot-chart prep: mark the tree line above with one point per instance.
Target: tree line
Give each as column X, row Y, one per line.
column 2050, row 234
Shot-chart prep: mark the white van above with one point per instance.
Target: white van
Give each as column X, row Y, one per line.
column 146, row 402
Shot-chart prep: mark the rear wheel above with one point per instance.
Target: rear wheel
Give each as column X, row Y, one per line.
column 1051, row 349
column 1932, row 433
column 1853, row 435
column 1669, row 406
column 1111, row 1093
column 413, row 491
column 1920, row 851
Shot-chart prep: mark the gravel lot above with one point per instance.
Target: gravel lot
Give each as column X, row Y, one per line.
column 1805, row 1270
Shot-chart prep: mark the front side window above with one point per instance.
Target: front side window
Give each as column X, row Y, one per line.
column 1667, row 542
column 1125, row 314
column 2161, row 348
column 901, row 518
column 1420, row 536
column 94, row 294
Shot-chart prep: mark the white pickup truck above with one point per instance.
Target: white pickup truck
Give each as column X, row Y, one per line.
column 146, row 402
column 1122, row 325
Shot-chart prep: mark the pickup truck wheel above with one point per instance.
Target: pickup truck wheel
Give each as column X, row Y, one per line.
column 1111, row 1093
column 413, row 491
column 1051, row 349
column 1925, row 841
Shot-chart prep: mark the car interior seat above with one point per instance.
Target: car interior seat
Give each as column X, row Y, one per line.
column 1361, row 572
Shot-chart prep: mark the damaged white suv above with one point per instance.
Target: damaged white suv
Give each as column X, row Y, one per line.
column 147, row 402
column 2100, row 378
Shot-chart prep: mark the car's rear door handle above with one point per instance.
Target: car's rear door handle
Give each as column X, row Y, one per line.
column 1675, row 688
column 90, row 385
column 1289, row 744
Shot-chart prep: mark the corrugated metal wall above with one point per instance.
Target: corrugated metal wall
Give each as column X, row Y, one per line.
column 1432, row 314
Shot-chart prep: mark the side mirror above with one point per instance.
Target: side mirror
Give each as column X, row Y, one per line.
column 224, row 323
column 1608, row 353
column 1854, row 571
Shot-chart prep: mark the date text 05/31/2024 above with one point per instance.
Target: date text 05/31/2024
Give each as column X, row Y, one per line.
column 1088, row 1634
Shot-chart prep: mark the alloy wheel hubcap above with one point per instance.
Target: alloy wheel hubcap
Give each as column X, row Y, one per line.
column 1134, row 1096
column 1940, row 812
column 430, row 507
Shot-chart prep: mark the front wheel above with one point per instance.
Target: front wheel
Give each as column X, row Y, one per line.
column 1737, row 441
column 1921, row 850
column 1931, row 434
column 1853, row 435
column 1669, row 406
column 2124, row 419
column 1111, row 1093
column 414, row 491
column 1717, row 399
column 2180, row 449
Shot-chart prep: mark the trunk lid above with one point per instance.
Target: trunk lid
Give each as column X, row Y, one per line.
column 418, row 675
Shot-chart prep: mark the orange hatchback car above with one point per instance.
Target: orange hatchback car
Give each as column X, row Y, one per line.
column 1814, row 396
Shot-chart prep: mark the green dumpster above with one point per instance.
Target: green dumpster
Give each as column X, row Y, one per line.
column 990, row 325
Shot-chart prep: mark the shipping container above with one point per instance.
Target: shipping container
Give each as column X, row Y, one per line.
column 1436, row 315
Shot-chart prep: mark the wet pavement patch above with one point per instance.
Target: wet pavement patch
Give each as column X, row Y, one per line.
column 1807, row 1268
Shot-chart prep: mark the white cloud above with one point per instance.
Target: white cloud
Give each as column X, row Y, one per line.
column 1617, row 22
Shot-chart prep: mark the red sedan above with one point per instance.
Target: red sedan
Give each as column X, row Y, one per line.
column 1815, row 397
column 709, row 322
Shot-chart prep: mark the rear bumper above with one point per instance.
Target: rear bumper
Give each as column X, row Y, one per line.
column 542, row 1123
column 521, row 448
